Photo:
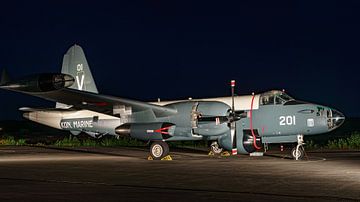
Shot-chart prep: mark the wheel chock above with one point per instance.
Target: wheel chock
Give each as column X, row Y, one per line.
column 211, row 153
column 225, row 153
column 165, row 158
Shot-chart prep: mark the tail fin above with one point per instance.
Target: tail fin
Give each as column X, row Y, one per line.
column 75, row 64
column 4, row 77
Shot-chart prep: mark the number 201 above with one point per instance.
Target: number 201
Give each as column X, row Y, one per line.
column 287, row 120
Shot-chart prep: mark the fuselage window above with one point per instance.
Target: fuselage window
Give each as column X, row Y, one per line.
column 267, row 100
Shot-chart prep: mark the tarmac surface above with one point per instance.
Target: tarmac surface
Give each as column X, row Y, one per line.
column 125, row 174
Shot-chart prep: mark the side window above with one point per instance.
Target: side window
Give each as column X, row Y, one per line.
column 264, row 100
column 267, row 100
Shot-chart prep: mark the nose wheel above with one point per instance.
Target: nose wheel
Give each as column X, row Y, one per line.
column 298, row 152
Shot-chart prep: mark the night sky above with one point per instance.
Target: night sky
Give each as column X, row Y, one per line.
column 178, row 49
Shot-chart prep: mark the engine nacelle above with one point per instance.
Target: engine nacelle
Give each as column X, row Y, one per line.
column 244, row 141
column 206, row 118
column 40, row 83
column 146, row 131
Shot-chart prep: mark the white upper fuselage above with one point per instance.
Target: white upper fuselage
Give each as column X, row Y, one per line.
column 241, row 102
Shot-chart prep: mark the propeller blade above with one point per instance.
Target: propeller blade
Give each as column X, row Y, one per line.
column 232, row 95
column 218, row 119
column 232, row 119
column 233, row 138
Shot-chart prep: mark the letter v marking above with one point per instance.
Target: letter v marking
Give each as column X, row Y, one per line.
column 80, row 83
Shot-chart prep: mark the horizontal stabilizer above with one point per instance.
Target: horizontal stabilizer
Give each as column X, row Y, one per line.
column 29, row 109
column 4, row 77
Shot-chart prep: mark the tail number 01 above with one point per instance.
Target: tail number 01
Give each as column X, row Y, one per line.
column 287, row 120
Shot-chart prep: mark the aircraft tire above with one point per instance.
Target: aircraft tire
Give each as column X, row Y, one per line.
column 159, row 149
column 300, row 153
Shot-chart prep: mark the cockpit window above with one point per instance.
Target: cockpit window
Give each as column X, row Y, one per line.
column 267, row 100
column 278, row 100
column 274, row 97
column 285, row 97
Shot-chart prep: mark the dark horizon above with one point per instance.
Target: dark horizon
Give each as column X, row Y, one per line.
column 146, row 50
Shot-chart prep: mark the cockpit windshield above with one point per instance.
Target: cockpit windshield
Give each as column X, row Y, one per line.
column 274, row 97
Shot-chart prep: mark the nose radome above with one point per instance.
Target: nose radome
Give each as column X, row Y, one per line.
column 337, row 118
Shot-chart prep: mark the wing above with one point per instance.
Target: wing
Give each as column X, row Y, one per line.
column 101, row 103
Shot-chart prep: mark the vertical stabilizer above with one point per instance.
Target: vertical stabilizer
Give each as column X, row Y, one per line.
column 75, row 64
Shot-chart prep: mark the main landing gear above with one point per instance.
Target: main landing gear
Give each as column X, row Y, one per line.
column 215, row 148
column 159, row 150
column 298, row 152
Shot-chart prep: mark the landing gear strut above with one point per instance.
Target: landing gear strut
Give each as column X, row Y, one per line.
column 298, row 152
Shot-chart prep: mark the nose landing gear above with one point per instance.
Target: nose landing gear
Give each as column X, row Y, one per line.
column 298, row 152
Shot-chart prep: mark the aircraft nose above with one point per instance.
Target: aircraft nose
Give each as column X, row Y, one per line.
column 337, row 118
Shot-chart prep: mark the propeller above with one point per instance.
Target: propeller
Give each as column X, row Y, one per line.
column 231, row 117
column 232, row 120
